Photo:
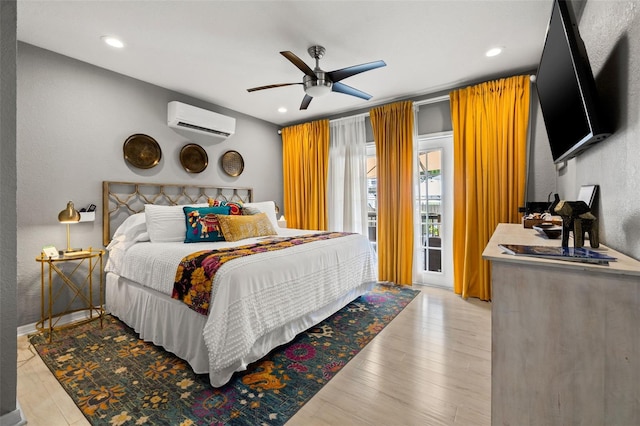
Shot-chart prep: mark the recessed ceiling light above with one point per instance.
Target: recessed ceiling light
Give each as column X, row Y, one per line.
column 282, row 110
column 494, row 52
column 113, row 41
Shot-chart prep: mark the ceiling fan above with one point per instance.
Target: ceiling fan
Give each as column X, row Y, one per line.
column 317, row 82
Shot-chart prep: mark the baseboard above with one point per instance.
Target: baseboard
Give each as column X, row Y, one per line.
column 65, row 319
column 14, row 418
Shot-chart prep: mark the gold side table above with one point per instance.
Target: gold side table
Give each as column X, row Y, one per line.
column 76, row 281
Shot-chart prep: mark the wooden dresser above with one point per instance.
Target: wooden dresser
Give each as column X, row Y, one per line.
column 565, row 337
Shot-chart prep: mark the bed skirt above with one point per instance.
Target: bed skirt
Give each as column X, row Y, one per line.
column 169, row 323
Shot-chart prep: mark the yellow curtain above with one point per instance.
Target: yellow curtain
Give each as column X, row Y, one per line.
column 305, row 157
column 393, row 134
column 490, row 123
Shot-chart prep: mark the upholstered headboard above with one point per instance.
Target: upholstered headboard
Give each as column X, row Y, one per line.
column 122, row 199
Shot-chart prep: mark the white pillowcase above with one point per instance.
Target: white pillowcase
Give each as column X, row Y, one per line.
column 131, row 231
column 134, row 228
column 268, row 207
column 166, row 223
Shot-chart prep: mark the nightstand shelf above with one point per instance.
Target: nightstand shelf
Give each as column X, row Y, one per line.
column 79, row 280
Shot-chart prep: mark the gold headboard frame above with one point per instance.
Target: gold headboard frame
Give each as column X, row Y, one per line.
column 123, row 199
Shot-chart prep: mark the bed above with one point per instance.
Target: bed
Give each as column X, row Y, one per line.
column 292, row 280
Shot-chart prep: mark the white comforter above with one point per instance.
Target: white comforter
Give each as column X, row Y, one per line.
column 254, row 295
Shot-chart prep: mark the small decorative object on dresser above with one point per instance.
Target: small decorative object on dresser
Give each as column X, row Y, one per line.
column 576, row 217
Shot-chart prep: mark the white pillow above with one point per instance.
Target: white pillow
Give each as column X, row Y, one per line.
column 268, row 207
column 132, row 228
column 166, row 223
column 131, row 231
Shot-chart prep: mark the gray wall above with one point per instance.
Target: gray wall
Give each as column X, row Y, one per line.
column 434, row 118
column 611, row 34
column 8, row 317
column 73, row 119
column 541, row 174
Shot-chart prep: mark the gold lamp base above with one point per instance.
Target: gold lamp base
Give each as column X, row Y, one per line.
column 69, row 249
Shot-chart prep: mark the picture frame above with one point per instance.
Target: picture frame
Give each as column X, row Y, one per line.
column 588, row 194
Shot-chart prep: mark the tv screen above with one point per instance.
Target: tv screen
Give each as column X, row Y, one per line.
column 566, row 89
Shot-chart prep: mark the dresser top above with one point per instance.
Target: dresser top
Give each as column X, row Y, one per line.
column 507, row 233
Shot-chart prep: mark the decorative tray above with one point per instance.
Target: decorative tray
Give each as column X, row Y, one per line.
column 193, row 158
column 232, row 163
column 142, row 151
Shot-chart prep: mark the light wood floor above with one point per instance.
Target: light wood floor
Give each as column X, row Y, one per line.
column 430, row 366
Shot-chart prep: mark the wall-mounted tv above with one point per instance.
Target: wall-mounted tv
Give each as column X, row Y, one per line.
column 566, row 88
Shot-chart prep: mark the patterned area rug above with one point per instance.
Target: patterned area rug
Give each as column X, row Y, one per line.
column 117, row 379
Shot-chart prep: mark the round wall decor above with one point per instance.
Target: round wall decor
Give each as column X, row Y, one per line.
column 142, row 151
column 193, row 158
column 232, row 163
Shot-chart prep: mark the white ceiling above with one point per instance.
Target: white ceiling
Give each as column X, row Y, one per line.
column 214, row 50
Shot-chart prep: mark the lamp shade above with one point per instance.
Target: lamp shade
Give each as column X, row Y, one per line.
column 69, row 215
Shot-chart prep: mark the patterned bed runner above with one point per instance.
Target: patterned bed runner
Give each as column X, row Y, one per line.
column 196, row 271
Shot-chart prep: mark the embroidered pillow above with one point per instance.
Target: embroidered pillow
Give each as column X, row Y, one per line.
column 234, row 206
column 203, row 225
column 236, row 228
column 268, row 207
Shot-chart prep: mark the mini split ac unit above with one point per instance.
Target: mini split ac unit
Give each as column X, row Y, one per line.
column 199, row 125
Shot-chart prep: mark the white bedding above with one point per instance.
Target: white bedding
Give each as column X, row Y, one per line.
column 258, row 301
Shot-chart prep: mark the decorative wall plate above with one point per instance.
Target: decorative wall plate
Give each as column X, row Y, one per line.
column 193, row 158
column 142, row 151
column 232, row 163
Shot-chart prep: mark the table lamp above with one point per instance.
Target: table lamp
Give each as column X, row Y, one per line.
column 68, row 216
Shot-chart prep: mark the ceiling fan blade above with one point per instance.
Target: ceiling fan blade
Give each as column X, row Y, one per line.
column 298, row 63
column 348, row 90
column 305, row 102
column 338, row 75
column 270, row 86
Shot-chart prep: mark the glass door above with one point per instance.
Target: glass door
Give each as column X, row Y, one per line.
column 430, row 199
column 372, row 194
column 433, row 255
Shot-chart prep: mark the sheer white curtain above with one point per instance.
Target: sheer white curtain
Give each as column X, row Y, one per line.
column 347, row 180
column 417, row 215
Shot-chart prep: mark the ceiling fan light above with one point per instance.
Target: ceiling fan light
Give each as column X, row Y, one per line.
column 318, row 87
column 320, row 90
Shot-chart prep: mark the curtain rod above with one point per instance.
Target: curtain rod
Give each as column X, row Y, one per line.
column 432, row 100
column 335, row 120
column 415, row 103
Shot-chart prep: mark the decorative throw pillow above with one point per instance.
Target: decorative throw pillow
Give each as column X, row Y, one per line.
column 165, row 223
column 249, row 211
column 202, row 224
column 268, row 207
column 234, row 206
column 236, row 228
